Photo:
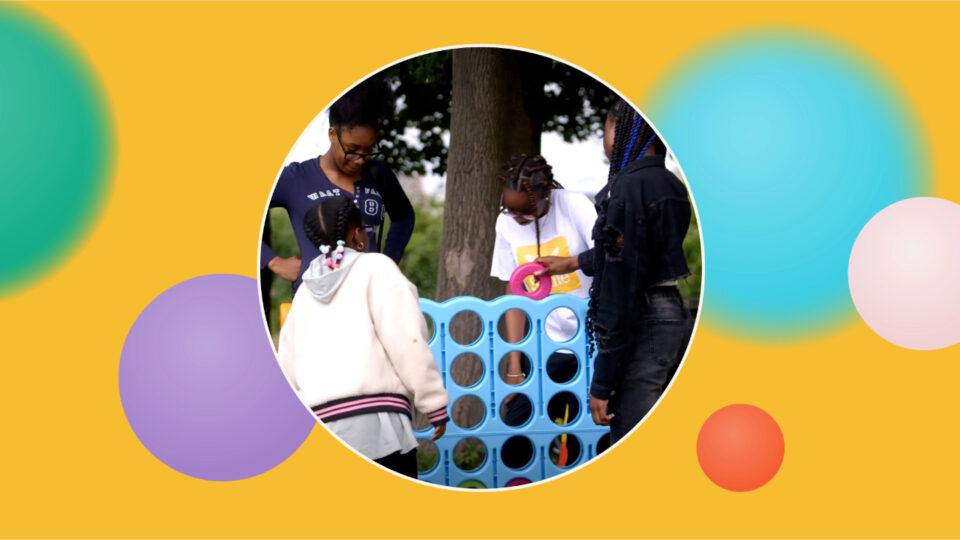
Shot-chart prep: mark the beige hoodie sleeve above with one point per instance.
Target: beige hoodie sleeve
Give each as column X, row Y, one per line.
column 402, row 330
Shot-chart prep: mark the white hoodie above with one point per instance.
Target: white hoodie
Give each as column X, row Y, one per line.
column 355, row 342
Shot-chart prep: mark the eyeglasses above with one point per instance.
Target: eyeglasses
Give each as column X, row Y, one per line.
column 355, row 156
column 543, row 206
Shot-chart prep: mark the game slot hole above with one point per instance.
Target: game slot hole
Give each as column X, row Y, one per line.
column 468, row 412
column 516, row 452
column 466, row 370
column 466, row 327
column 469, row 454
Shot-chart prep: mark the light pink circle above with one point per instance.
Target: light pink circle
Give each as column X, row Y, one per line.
column 904, row 273
column 521, row 273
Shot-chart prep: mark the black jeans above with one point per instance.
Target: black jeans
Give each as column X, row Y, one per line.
column 405, row 464
column 663, row 330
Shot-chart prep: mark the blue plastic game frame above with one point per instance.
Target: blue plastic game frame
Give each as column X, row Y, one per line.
column 490, row 347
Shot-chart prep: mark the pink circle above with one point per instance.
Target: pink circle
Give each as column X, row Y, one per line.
column 904, row 273
column 523, row 272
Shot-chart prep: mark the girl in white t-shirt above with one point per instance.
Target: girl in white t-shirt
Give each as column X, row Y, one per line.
column 539, row 218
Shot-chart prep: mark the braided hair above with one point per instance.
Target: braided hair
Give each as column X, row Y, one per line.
column 329, row 221
column 533, row 176
column 633, row 135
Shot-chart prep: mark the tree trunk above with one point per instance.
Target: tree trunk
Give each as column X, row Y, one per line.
column 492, row 117
column 494, row 114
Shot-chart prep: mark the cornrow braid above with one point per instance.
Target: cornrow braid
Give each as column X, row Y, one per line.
column 313, row 227
column 531, row 175
column 623, row 116
column 340, row 229
column 536, row 222
column 528, row 173
column 329, row 221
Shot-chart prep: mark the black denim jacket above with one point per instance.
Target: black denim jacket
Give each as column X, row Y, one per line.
column 648, row 208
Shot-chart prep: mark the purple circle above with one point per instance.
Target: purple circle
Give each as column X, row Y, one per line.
column 201, row 387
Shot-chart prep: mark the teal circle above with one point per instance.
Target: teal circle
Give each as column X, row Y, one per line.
column 791, row 141
column 55, row 148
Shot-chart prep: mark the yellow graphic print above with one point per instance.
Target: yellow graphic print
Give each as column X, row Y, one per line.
column 557, row 248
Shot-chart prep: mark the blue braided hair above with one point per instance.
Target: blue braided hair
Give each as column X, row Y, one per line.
column 630, row 127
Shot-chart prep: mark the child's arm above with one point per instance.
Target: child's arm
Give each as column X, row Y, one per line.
column 286, row 267
column 515, row 325
column 398, row 207
column 502, row 268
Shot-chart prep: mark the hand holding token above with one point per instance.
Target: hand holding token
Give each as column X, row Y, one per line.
column 524, row 271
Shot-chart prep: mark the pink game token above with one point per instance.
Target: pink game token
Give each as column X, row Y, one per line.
column 517, row 482
column 522, row 272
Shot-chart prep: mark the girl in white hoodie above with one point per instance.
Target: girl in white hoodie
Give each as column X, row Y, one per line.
column 354, row 344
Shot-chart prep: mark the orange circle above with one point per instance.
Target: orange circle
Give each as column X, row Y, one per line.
column 740, row 447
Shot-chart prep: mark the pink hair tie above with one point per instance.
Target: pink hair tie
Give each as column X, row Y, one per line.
column 524, row 271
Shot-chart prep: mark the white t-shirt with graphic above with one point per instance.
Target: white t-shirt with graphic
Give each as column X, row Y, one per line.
column 564, row 231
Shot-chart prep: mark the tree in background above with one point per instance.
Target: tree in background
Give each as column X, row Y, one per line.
column 493, row 103
column 494, row 115
column 560, row 98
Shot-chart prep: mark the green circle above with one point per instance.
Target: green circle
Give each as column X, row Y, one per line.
column 55, row 148
column 472, row 484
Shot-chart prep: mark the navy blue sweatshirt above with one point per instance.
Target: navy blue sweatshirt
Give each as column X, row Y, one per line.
column 302, row 185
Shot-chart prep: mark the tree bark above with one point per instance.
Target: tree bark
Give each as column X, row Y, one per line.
column 494, row 114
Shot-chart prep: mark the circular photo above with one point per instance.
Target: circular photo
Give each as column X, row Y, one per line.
column 481, row 267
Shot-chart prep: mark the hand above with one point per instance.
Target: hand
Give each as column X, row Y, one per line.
column 556, row 265
column 287, row 268
column 438, row 431
column 598, row 407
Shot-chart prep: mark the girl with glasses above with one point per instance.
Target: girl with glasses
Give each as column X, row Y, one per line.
column 540, row 218
column 347, row 169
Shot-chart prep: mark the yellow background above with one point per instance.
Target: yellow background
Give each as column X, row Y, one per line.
column 207, row 100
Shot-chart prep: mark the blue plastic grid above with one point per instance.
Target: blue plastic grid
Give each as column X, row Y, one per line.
column 491, row 389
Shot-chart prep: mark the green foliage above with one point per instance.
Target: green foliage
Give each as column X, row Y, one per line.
column 573, row 104
column 423, row 86
column 469, row 454
column 284, row 244
column 426, row 459
column 690, row 287
column 421, row 260
column 576, row 104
